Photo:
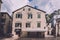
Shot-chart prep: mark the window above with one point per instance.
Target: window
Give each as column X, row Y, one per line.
column 18, row 15
column 29, row 16
column 2, row 15
column 27, row 24
column 38, row 16
column 38, row 24
column 23, row 9
column 18, row 24
column 3, row 20
column 29, row 9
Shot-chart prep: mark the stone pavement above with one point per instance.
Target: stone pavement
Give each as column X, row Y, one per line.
column 52, row 38
column 11, row 38
column 17, row 38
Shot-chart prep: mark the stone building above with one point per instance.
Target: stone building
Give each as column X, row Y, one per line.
column 29, row 21
column 55, row 17
column 58, row 27
column 5, row 24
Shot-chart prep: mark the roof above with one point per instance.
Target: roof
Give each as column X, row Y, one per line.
column 6, row 13
column 28, row 6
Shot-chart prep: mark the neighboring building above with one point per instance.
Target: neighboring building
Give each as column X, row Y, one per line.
column 47, row 19
column 58, row 27
column 49, row 28
column 5, row 24
column 54, row 20
column 0, row 4
column 28, row 21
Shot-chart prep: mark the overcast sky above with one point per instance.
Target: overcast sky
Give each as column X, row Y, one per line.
column 46, row 5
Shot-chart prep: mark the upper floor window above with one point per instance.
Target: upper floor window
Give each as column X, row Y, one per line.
column 28, row 24
column 3, row 20
column 18, row 15
column 3, row 15
column 18, row 24
column 29, row 16
column 23, row 9
column 38, row 16
column 29, row 9
column 39, row 24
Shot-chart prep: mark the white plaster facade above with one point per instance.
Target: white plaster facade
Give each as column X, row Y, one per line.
column 33, row 21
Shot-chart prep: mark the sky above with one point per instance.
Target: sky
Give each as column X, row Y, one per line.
column 46, row 5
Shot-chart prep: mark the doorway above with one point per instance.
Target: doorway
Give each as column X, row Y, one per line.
column 18, row 32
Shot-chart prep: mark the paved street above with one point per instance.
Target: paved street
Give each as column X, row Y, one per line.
column 9, row 39
column 57, row 38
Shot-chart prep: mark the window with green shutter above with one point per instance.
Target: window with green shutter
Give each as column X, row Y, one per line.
column 28, row 24
column 18, row 15
column 39, row 24
column 38, row 16
column 29, row 16
column 18, row 24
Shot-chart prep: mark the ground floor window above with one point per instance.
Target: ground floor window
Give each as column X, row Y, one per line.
column 18, row 24
column 28, row 24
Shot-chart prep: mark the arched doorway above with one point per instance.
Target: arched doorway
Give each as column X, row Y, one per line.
column 18, row 32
